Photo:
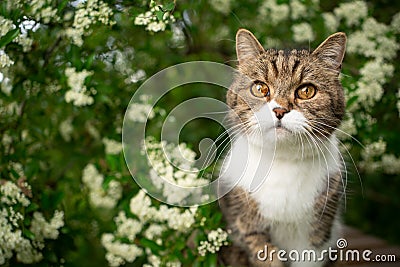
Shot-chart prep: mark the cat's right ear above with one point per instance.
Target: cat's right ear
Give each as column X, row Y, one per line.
column 333, row 49
column 247, row 46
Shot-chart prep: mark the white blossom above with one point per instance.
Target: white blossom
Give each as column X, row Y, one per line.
column 6, row 25
column 117, row 252
column 136, row 77
column 352, row 12
column 140, row 112
column 298, row 9
column 347, row 128
column 78, row 94
column 222, row 6
column 66, row 129
column 154, row 230
column 390, row 164
column 5, row 60
column 273, row 13
column 98, row 196
column 156, row 26
column 374, row 75
column 303, row 32
column 373, row 41
column 330, row 21
column 374, row 149
column 88, row 13
column 42, row 11
column 215, row 240
column 140, row 205
column 112, row 147
column 150, row 20
column 395, row 24
column 11, row 194
column 154, row 260
column 12, row 241
column 175, row 263
column 43, row 229
column 172, row 170
column 127, row 227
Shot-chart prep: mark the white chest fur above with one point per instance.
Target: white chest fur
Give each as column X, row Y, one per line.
column 284, row 181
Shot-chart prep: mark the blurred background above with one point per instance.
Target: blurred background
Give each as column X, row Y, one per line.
column 69, row 68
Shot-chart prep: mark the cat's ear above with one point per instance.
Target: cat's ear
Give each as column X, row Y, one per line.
column 333, row 49
column 247, row 45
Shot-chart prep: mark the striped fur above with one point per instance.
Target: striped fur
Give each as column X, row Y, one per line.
column 294, row 158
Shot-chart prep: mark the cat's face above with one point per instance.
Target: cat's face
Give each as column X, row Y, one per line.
column 285, row 94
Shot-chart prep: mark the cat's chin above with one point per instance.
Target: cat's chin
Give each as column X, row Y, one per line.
column 274, row 136
column 282, row 133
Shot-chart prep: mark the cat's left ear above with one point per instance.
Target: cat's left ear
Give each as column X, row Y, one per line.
column 333, row 49
column 247, row 46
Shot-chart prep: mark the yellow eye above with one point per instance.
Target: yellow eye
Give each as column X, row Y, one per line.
column 259, row 89
column 306, row 92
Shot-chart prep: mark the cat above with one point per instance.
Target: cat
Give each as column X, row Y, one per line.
column 284, row 168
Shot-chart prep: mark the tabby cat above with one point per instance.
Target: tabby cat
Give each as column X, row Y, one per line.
column 284, row 166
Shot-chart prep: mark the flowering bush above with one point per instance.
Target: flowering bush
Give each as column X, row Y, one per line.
column 67, row 72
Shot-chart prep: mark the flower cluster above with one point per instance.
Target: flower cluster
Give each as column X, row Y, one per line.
column 43, row 11
column 157, row 18
column 14, row 198
column 222, row 6
column 112, row 147
column 172, row 170
column 66, row 129
column 373, row 40
column 303, row 32
column 141, row 111
column 370, row 85
column 297, row 9
column 98, row 196
column 331, row 22
column 6, row 25
column 274, row 12
column 43, row 229
column 215, row 240
column 374, row 158
column 78, row 94
column 152, row 223
column 117, row 252
column 88, row 13
column 141, row 206
column 352, row 12
column 121, row 61
column 11, row 194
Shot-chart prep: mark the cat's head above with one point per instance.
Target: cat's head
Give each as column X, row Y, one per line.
column 284, row 94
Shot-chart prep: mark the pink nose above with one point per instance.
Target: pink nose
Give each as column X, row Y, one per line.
column 280, row 112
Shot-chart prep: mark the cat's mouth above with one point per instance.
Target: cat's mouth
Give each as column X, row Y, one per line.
column 281, row 130
column 280, row 127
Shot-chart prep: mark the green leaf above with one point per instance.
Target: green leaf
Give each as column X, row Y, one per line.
column 155, row 248
column 159, row 15
column 61, row 6
column 89, row 61
column 28, row 234
column 211, row 260
column 169, row 6
column 32, row 207
column 11, row 35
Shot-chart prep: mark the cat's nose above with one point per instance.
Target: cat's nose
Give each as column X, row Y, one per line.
column 280, row 112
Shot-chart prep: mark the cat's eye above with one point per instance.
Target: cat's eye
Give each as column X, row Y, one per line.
column 306, row 92
column 259, row 89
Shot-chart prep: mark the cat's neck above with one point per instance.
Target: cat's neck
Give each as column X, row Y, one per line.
column 298, row 148
column 248, row 164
